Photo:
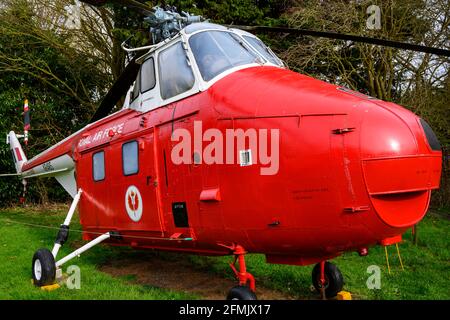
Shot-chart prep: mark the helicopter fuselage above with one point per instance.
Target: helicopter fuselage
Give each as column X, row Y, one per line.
column 351, row 171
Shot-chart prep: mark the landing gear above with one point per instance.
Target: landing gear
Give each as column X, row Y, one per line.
column 327, row 279
column 44, row 264
column 241, row 293
column 43, row 268
column 246, row 288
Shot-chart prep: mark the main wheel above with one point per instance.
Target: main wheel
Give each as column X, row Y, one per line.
column 241, row 293
column 43, row 268
column 334, row 281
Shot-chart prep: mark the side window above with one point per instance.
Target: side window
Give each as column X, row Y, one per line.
column 130, row 158
column 148, row 80
column 98, row 166
column 263, row 49
column 136, row 87
column 175, row 74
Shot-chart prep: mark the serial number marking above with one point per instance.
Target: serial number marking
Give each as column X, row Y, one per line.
column 246, row 310
column 227, row 310
column 48, row 166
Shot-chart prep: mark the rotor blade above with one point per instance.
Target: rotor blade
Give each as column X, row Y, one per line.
column 118, row 89
column 127, row 3
column 349, row 37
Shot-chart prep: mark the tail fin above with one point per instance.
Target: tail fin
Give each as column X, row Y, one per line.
column 16, row 150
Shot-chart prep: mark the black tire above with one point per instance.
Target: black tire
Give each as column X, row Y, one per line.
column 334, row 281
column 43, row 268
column 241, row 293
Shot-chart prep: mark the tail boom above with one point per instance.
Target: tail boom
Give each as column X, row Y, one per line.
column 55, row 162
column 18, row 155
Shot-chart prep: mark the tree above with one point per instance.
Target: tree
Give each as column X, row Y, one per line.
column 65, row 71
column 415, row 80
column 38, row 61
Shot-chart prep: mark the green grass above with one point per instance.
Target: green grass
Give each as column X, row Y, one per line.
column 426, row 274
column 19, row 242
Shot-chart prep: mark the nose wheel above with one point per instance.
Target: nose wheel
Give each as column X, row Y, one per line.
column 241, row 293
column 327, row 279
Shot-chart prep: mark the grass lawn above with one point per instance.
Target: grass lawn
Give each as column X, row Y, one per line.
column 426, row 274
column 19, row 242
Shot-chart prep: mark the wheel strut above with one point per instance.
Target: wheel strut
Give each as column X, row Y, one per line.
column 327, row 279
column 242, row 275
column 322, row 280
column 63, row 233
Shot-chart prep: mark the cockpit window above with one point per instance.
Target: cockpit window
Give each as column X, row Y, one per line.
column 194, row 27
column 175, row 73
column 135, row 92
column 217, row 51
column 148, row 78
column 263, row 50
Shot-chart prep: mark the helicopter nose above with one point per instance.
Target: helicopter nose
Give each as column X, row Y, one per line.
column 399, row 164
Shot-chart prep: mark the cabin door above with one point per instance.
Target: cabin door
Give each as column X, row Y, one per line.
column 136, row 191
column 93, row 181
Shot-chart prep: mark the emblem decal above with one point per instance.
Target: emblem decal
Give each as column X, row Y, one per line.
column 133, row 203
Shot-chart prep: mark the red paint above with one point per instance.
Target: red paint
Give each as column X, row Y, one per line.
column 391, row 241
column 322, row 275
column 353, row 172
column 18, row 154
column 244, row 277
column 363, row 252
column 133, row 201
column 210, row 195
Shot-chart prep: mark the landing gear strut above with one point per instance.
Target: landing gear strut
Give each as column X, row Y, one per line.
column 44, row 264
column 246, row 288
column 327, row 279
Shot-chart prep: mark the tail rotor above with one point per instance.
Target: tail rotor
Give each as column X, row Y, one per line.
column 17, row 152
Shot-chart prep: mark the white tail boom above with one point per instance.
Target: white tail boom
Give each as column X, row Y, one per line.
column 18, row 155
column 62, row 168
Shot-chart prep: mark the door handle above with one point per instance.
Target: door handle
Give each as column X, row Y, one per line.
column 150, row 181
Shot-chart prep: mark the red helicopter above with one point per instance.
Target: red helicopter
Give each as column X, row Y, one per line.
column 221, row 150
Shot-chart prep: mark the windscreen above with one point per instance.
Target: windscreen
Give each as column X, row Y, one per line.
column 263, row 50
column 432, row 139
column 217, row 52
